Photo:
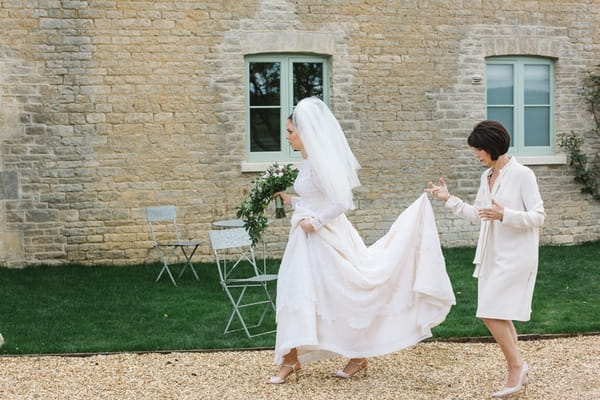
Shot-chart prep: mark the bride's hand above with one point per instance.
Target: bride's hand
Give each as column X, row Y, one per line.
column 439, row 192
column 306, row 225
column 285, row 198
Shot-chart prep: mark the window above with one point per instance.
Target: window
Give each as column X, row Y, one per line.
column 276, row 83
column 520, row 95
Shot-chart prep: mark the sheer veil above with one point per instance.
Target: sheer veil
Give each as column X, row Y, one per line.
column 328, row 150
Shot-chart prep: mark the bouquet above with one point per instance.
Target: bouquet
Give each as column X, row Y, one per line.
column 275, row 179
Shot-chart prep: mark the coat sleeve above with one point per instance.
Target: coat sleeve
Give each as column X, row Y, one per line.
column 464, row 210
column 533, row 214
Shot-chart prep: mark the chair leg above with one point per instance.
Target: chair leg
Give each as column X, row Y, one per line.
column 165, row 260
column 236, row 311
column 188, row 262
column 269, row 302
column 266, row 289
column 166, row 268
column 238, row 305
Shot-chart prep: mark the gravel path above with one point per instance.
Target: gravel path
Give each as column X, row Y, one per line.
column 561, row 369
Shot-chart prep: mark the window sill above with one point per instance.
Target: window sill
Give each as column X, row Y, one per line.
column 262, row 166
column 556, row 159
column 560, row 158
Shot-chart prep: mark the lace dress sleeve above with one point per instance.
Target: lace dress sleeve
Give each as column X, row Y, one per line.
column 329, row 212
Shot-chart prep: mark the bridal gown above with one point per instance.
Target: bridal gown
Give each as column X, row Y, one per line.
column 338, row 297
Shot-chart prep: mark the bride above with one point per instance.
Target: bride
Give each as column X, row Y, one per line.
column 336, row 296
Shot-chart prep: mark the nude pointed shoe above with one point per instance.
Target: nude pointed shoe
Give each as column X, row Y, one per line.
column 362, row 366
column 512, row 390
column 294, row 370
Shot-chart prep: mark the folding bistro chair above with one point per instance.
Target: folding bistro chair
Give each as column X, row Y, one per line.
column 167, row 240
column 238, row 271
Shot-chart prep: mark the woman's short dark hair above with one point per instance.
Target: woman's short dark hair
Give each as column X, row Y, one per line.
column 490, row 136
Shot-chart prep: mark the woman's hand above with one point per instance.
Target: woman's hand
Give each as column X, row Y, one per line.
column 496, row 212
column 306, row 225
column 285, row 198
column 439, row 192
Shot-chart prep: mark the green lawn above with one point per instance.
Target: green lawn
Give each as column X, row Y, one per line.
column 73, row 309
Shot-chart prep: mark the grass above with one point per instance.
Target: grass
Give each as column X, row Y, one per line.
column 79, row 309
column 565, row 299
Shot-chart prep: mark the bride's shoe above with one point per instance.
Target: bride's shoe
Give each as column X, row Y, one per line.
column 523, row 382
column 294, row 369
column 362, row 365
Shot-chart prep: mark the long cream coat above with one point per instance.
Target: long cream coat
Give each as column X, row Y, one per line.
column 506, row 258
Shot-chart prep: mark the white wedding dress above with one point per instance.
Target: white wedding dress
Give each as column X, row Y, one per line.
column 338, row 297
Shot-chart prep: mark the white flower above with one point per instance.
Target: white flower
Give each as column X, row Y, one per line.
column 1, row 340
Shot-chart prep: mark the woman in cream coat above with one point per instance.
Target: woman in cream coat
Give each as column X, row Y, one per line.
column 510, row 209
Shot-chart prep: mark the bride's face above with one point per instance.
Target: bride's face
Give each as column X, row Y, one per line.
column 293, row 138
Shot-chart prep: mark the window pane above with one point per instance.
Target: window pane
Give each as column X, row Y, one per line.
column 504, row 115
column 537, row 84
column 500, row 86
column 264, row 83
column 308, row 80
column 265, row 131
column 537, row 126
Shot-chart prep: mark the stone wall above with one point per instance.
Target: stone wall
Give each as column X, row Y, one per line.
column 107, row 107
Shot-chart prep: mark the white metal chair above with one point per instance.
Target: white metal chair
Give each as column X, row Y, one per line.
column 165, row 235
column 238, row 271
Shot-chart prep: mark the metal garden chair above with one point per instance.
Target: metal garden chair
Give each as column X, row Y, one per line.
column 238, row 272
column 165, row 235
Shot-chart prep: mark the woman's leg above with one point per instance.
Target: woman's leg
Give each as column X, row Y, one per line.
column 505, row 334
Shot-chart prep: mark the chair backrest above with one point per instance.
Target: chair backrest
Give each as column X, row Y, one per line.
column 237, row 244
column 229, row 238
column 162, row 214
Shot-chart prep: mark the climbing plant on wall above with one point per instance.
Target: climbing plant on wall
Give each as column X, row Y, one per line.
column 587, row 167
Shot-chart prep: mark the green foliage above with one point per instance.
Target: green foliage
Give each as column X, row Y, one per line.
column 252, row 210
column 585, row 174
column 591, row 92
column 587, row 170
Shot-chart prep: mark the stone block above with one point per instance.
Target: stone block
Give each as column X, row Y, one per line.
column 11, row 249
column 116, row 106
column 9, row 185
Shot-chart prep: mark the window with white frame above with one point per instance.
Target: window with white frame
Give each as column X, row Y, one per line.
column 520, row 95
column 276, row 83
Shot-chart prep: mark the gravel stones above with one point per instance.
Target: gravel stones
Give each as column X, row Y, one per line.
column 561, row 369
